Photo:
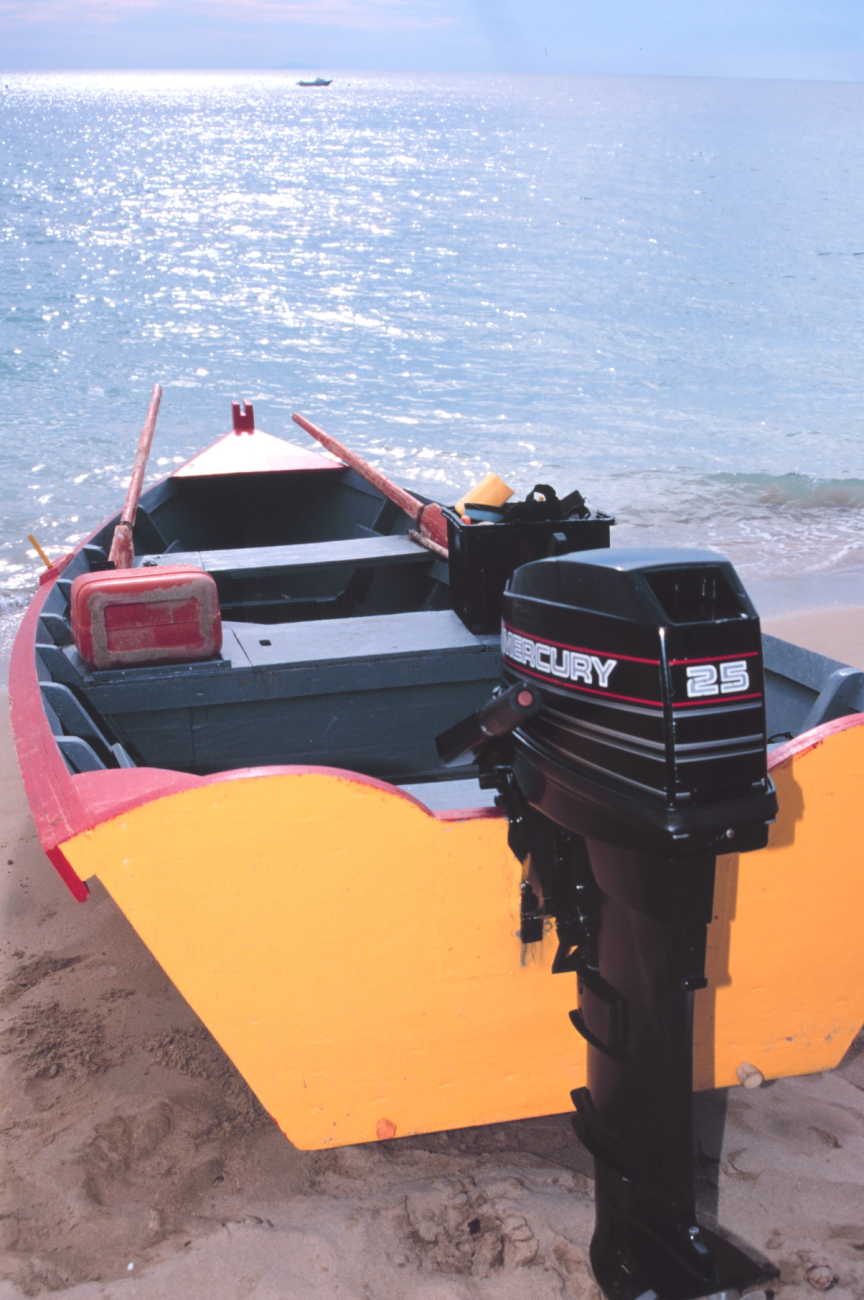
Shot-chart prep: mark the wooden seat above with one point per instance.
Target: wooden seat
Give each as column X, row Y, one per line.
column 365, row 640
column 262, row 561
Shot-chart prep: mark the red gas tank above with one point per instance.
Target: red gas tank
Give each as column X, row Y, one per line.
column 125, row 617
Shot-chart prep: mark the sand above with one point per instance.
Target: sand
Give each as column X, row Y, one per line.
column 136, row 1162
column 837, row 633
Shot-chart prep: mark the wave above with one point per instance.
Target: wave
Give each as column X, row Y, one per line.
column 794, row 492
column 14, row 602
column 768, row 525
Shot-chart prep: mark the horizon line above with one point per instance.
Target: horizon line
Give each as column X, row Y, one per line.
column 431, row 72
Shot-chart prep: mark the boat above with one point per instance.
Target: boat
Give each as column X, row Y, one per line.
column 319, row 81
column 342, row 911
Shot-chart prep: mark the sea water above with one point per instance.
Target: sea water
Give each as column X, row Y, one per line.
column 649, row 289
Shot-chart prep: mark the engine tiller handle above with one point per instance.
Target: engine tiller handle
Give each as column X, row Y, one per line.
column 504, row 713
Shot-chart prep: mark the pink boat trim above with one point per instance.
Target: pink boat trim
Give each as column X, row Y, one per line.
column 808, row 740
column 254, row 453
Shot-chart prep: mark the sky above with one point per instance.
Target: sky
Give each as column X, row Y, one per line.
column 798, row 39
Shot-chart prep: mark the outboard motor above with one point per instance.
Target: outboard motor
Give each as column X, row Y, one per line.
column 628, row 747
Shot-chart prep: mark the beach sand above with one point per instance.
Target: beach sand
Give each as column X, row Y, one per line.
column 136, row 1162
column 835, row 632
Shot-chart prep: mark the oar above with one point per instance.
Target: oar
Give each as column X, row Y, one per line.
column 122, row 551
column 428, row 518
column 42, row 556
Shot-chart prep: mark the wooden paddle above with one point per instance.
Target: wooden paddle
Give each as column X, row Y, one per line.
column 122, row 550
column 428, row 518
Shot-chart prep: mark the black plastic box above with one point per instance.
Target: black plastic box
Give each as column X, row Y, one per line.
column 483, row 556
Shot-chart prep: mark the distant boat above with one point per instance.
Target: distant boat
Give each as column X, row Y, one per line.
column 319, row 81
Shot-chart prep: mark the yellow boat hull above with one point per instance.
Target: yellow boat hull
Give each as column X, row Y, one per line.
column 358, row 957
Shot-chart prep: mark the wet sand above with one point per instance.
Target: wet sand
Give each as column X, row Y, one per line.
column 837, row 633
column 137, row 1163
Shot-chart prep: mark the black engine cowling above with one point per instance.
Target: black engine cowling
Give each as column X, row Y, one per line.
column 653, row 718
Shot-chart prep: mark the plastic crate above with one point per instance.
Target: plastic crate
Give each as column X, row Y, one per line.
column 483, row 556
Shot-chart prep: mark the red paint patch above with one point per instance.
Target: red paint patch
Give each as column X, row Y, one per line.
column 69, row 877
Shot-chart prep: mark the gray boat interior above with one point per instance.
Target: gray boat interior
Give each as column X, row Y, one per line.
column 341, row 648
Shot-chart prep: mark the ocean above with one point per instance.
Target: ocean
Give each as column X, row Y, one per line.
column 646, row 288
